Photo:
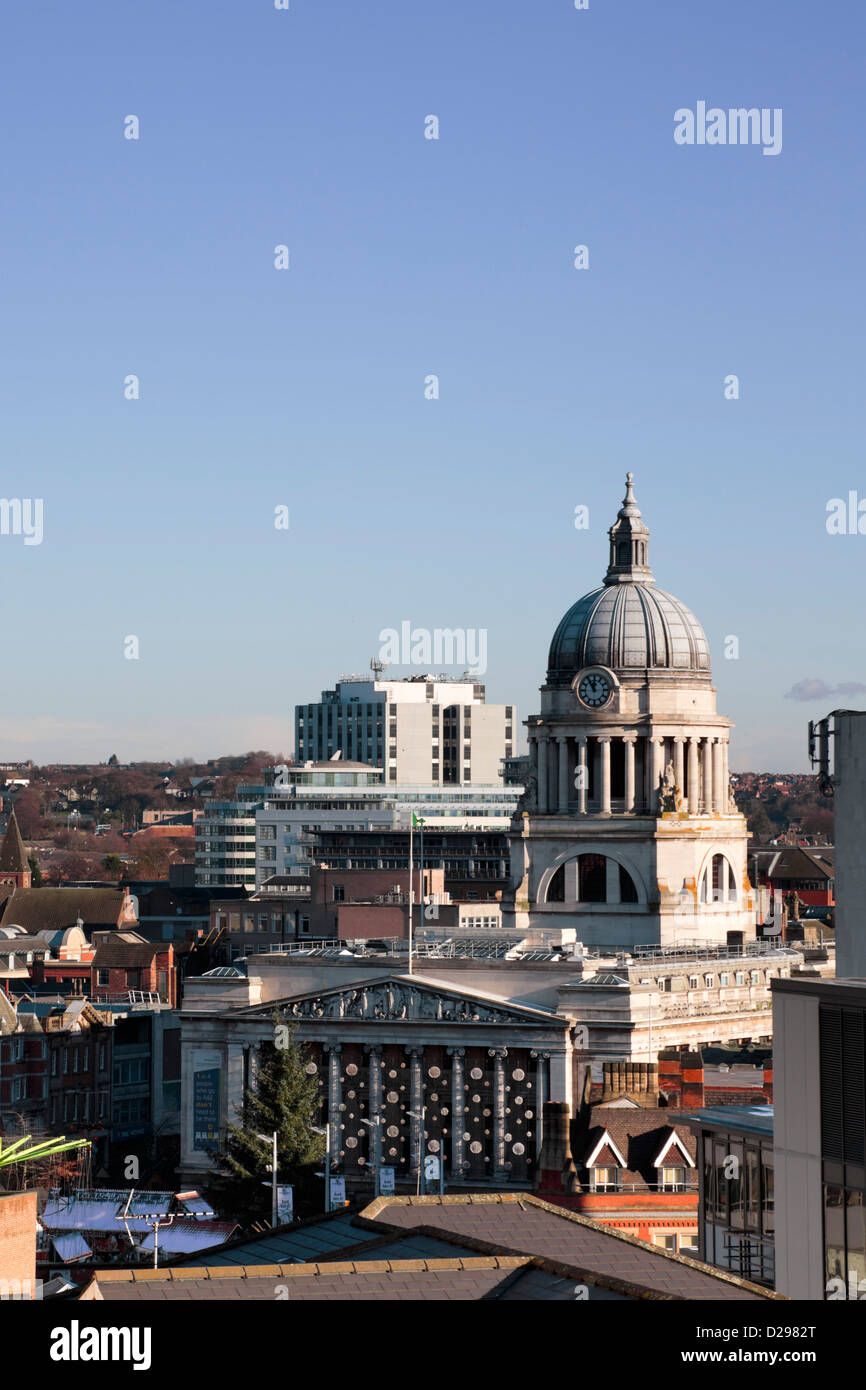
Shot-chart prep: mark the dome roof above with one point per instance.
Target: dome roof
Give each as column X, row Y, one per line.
column 627, row 627
column 627, row 624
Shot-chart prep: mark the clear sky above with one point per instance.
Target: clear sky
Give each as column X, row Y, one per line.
column 409, row 257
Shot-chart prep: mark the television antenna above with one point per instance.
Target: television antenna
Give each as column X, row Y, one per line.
column 378, row 667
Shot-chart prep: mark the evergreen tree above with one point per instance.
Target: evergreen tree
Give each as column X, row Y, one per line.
column 284, row 1099
column 35, row 872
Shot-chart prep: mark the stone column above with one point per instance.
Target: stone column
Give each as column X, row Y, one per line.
column 654, row 746
column 726, row 777
column 611, row 880
column 562, row 741
column 499, row 1054
column 581, row 768
column 540, row 1097
column 542, row 774
column 604, row 744
column 335, row 1097
column 457, row 1107
column 416, row 1102
column 630, row 804
column 561, row 1077
column 678, row 761
column 694, row 777
column 718, row 799
column 374, row 1099
column 708, row 776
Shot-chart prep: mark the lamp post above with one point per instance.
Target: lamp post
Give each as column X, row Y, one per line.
column 377, row 1154
column 272, row 1138
column 317, row 1129
column 413, row 1114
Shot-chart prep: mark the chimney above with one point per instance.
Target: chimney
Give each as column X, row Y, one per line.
column 556, row 1170
column 639, row 1081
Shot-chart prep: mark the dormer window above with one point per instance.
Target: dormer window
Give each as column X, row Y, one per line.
column 605, row 1179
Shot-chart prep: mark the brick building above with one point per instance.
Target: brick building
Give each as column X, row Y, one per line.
column 123, row 962
column 17, row 1245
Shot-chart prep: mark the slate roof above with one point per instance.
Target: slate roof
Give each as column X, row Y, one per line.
column 389, row 1281
column 13, row 856
column 119, row 952
column 639, row 1135
column 796, row 862
column 54, row 909
column 522, row 1224
column 517, row 1248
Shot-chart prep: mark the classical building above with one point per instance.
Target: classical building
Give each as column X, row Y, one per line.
column 471, row 1043
column 628, row 831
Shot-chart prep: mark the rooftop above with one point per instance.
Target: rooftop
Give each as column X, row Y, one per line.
column 751, row 1119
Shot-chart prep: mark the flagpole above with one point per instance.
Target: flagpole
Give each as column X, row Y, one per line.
column 421, row 879
column 411, row 889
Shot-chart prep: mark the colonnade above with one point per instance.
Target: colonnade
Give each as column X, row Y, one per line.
column 567, row 767
column 413, row 1113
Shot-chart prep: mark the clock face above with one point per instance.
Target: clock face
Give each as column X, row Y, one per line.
column 594, row 691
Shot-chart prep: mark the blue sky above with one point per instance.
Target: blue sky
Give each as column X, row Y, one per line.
column 409, row 257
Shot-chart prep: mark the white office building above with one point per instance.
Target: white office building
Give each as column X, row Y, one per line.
column 271, row 829
column 424, row 730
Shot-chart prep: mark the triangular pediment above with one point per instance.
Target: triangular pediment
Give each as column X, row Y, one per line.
column 398, row 998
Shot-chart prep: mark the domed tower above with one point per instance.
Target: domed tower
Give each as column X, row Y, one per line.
column 627, row 831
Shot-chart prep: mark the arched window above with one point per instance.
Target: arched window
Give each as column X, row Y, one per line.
column 593, row 879
column 718, row 884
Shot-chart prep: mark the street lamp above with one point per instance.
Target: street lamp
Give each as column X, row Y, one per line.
column 317, row 1129
column 414, row 1115
column 377, row 1153
column 272, row 1138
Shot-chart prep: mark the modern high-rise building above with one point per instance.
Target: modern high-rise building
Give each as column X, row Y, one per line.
column 819, row 1061
column 426, row 729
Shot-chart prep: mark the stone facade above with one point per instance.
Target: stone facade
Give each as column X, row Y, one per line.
column 628, row 832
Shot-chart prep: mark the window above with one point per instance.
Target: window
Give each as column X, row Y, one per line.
column 53, row 1062
column 592, row 878
column 102, row 977
column 724, row 979
column 339, row 893
column 673, row 1179
column 740, row 978
column 708, row 981
column 665, row 1242
column 694, row 982
column 605, row 1179
column 627, row 889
